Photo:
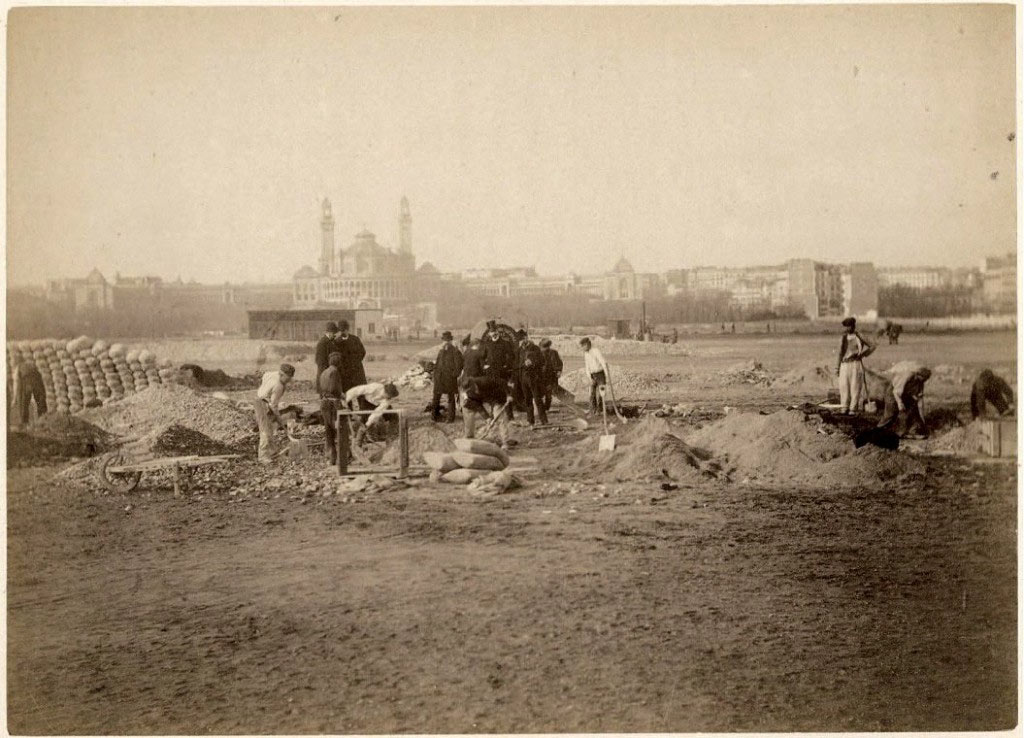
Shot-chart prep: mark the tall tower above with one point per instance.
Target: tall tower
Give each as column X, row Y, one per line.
column 404, row 228
column 327, row 238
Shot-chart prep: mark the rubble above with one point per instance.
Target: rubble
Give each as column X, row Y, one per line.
column 568, row 345
column 746, row 372
column 415, row 377
column 624, row 382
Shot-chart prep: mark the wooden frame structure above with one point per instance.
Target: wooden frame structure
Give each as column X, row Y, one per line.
column 344, row 443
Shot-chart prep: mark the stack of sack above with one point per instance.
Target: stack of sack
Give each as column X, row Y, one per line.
column 472, row 458
column 86, row 373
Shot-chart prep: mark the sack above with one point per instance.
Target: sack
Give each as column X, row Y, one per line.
column 475, row 446
column 477, row 461
column 462, row 476
column 439, row 461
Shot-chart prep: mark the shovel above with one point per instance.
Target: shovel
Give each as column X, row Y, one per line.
column 568, row 399
column 607, row 441
column 494, row 419
column 615, row 405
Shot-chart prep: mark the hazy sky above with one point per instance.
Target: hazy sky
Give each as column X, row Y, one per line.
column 200, row 141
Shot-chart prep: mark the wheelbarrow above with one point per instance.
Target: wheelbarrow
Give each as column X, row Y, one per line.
column 120, row 474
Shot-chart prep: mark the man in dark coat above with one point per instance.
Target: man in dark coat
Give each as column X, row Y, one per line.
column 473, row 362
column 990, row 388
column 29, row 387
column 485, row 396
column 352, row 353
column 325, row 347
column 331, row 397
column 529, row 372
column 551, row 371
column 447, row 369
column 499, row 358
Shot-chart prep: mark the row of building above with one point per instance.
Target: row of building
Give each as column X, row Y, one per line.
column 367, row 275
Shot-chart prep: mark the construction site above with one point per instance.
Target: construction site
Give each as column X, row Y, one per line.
column 711, row 552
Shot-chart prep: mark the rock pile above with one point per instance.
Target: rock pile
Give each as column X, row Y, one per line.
column 570, row 346
column 746, row 372
column 624, row 381
column 85, row 373
column 415, row 377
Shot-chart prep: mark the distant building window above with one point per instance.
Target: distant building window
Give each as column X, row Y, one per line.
column 371, row 329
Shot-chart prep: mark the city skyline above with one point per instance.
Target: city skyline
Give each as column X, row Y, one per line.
column 142, row 140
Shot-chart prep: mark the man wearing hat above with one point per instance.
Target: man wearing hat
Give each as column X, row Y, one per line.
column 499, row 355
column 268, row 400
column 850, row 369
column 352, row 353
column 325, row 347
column 447, row 369
column 331, row 397
column 529, row 369
column 551, row 371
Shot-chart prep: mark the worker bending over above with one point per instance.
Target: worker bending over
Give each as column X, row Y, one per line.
column 486, row 398
column 597, row 370
column 988, row 388
column 268, row 400
column 850, row 369
column 903, row 404
column 375, row 396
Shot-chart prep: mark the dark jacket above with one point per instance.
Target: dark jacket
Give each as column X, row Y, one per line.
column 990, row 388
column 324, row 348
column 329, row 383
column 352, row 353
column 447, row 369
column 529, row 358
column 499, row 357
column 552, row 365
column 487, row 389
column 473, row 363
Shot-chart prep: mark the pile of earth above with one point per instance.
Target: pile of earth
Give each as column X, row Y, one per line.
column 145, row 412
column 625, row 382
column 421, row 439
column 746, row 372
column 56, row 436
column 787, row 447
column 648, row 450
column 570, row 346
column 967, row 440
column 816, row 377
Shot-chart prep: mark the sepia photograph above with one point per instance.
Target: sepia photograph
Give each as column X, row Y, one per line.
column 511, row 369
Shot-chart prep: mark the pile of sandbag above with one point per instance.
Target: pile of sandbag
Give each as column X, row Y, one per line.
column 86, row 373
column 472, row 458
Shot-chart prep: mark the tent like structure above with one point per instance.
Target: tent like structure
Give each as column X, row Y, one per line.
column 504, row 329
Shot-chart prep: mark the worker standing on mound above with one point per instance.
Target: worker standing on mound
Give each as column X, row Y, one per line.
column 352, row 353
column 551, row 372
column 447, row 369
column 486, row 398
column 331, row 397
column 268, row 400
column 850, row 369
column 903, row 404
column 988, row 388
column 596, row 368
column 325, row 347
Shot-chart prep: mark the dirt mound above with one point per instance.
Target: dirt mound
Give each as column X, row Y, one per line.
column 56, row 436
column 69, row 429
column 815, row 377
column 422, row 439
column 645, row 450
column 145, row 412
column 570, row 345
column 787, row 448
column 624, row 381
column 746, row 372
column 965, row 441
column 177, row 440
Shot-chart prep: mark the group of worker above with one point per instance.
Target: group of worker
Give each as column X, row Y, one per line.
column 903, row 391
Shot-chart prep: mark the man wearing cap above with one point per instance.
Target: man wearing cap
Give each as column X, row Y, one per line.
column 447, row 369
column 529, row 367
column 903, row 403
column 352, row 353
column 331, row 397
column 325, row 347
column 551, row 371
column 850, row 369
column 596, row 368
column 268, row 399
column 375, row 396
column 499, row 355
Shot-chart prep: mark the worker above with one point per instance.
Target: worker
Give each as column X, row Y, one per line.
column 675, row 335
column 850, row 368
column 374, row 396
column 447, row 369
column 473, row 361
column 268, row 400
column 352, row 353
column 529, row 371
column 499, row 355
column 325, row 347
column 552, row 371
column 988, row 388
column 903, row 404
column 485, row 398
column 596, row 368
column 29, row 386
column 331, row 396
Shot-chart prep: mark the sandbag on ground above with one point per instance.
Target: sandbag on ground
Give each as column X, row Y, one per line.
column 477, row 461
column 442, row 462
column 476, row 446
column 463, row 476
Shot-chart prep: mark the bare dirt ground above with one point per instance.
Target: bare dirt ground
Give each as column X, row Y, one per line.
column 586, row 605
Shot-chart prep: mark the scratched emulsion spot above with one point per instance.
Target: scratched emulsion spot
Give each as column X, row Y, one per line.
column 994, row 175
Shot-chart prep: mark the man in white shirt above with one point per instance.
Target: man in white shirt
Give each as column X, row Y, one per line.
column 268, row 399
column 375, row 396
column 597, row 370
column 850, row 368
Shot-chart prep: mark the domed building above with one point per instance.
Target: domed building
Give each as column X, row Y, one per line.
column 623, row 283
column 365, row 274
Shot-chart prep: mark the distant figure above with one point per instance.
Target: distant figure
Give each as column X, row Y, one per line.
column 325, row 347
column 733, row 328
column 499, row 355
column 675, row 335
column 28, row 384
column 767, row 327
column 435, row 333
column 903, row 404
column 352, row 353
column 850, row 368
column 988, row 388
column 723, row 327
column 892, row 331
column 447, row 369
column 596, row 368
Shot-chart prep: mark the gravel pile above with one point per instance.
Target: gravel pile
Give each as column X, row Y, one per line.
column 146, row 412
column 570, row 346
column 624, row 382
column 415, row 377
column 747, row 372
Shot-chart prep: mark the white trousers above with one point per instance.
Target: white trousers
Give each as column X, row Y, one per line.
column 851, row 385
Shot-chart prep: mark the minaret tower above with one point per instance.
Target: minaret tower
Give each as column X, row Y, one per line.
column 327, row 236
column 404, row 228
